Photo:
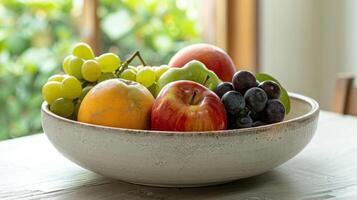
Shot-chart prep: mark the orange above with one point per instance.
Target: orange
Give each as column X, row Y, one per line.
column 117, row 103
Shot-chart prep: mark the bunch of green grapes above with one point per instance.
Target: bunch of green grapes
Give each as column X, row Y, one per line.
column 64, row 92
column 145, row 75
column 82, row 71
column 90, row 69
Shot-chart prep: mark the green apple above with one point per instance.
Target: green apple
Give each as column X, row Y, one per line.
column 192, row 71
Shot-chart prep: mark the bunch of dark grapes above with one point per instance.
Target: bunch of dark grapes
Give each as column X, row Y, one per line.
column 249, row 103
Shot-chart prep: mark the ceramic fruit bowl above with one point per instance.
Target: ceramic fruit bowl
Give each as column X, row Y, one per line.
column 183, row 159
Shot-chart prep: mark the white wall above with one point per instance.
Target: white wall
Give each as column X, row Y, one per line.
column 305, row 43
column 332, row 47
column 350, row 35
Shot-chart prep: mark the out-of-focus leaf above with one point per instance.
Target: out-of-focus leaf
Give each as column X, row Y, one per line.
column 117, row 24
column 163, row 43
column 16, row 43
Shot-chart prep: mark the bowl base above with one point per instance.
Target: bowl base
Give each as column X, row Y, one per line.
column 180, row 185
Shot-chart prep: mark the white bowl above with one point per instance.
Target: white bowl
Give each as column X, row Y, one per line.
column 183, row 159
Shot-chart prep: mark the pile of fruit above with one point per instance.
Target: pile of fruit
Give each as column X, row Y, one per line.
column 186, row 95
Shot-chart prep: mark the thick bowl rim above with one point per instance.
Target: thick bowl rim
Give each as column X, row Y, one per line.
column 314, row 109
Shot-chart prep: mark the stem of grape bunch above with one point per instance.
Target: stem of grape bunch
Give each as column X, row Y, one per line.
column 126, row 63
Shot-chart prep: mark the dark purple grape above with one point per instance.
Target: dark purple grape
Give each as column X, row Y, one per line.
column 258, row 123
column 233, row 102
column 243, row 80
column 236, row 122
column 271, row 88
column 256, row 99
column 256, row 116
column 274, row 111
column 223, row 88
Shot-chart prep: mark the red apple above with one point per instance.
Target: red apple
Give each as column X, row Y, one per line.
column 187, row 106
column 213, row 57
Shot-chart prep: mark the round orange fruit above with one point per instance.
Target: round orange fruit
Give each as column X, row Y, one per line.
column 117, row 103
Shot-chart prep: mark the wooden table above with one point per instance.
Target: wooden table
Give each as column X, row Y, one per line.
column 30, row 168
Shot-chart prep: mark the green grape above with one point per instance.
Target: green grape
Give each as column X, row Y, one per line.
column 145, row 76
column 109, row 62
column 77, row 105
column 91, row 70
column 86, row 83
column 51, row 91
column 154, row 88
column 75, row 66
column 71, row 87
column 65, row 64
column 83, row 50
column 133, row 68
column 62, row 107
column 128, row 74
column 56, row 77
column 106, row 76
column 138, row 68
column 85, row 91
column 160, row 70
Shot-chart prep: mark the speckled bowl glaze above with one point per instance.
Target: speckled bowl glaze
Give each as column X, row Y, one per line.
column 183, row 159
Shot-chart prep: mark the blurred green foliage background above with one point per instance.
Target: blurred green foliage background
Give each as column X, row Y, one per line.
column 35, row 36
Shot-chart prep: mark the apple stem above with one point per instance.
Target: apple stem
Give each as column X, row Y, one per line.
column 126, row 63
column 192, row 101
column 206, row 79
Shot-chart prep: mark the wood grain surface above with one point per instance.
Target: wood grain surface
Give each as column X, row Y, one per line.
column 30, row 168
